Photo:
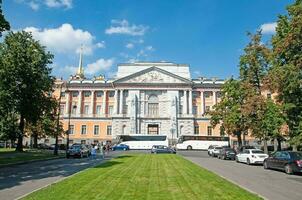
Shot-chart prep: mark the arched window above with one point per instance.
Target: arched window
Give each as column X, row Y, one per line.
column 123, row 129
column 153, row 105
column 181, row 128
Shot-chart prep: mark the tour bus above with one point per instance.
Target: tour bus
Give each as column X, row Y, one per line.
column 143, row 141
column 190, row 142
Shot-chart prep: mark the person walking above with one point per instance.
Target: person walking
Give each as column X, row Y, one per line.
column 102, row 150
column 93, row 152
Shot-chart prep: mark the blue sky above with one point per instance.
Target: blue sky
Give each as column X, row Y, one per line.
column 209, row 35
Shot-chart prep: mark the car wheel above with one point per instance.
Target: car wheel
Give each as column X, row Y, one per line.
column 81, row 155
column 124, row 149
column 218, row 157
column 248, row 161
column 265, row 165
column 189, row 147
column 236, row 158
column 223, row 158
column 288, row 169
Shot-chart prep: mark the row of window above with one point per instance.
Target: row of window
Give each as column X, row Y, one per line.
column 96, row 130
column 97, row 111
column 88, row 93
column 209, row 130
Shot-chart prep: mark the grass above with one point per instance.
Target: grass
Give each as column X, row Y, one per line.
column 142, row 176
column 9, row 156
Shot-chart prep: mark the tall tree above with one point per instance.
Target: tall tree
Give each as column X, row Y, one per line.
column 4, row 25
column 24, row 78
column 228, row 112
column 286, row 74
column 254, row 65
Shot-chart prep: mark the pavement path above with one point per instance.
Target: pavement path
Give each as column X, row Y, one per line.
column 270, row 184
column 18, row 180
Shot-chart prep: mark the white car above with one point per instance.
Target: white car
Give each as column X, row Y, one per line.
column 210, row 149
column 251, row 156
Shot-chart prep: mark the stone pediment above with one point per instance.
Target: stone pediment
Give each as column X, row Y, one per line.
column 153, row 75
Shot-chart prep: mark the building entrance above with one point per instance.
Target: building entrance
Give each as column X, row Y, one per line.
column 153, row 129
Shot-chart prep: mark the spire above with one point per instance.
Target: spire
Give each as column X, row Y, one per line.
column 80, row 71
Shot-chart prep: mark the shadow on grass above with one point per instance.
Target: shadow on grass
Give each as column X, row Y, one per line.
column 124, row 156
column 108, row 164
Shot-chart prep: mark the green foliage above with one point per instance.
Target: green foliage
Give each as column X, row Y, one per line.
column 4, row 25
column 286, row 74
column 25, row 80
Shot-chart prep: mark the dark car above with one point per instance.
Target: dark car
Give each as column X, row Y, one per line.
column 226, row 153
column 78, row 150
column 288, row 161
column 162, row 149
column 122, row 147
column 43, row 146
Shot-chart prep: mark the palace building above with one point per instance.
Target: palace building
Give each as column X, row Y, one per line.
column 146, row 98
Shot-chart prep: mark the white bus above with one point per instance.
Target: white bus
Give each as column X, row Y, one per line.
column 143, row 141
column 190, row 142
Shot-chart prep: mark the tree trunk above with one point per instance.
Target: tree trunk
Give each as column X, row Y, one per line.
column 275, row 144
column 239, row 140
column 265, row 146
column 55, row 152
column 20, row 135
column 243, row 138
column 35, row 136
column 279, row 144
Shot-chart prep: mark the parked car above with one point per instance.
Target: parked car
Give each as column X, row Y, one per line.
column 226, row 153
column 215, row 151
column 242, row 148
column 162, row 149
column 43, row 146
column 78, row 150
column 210, row 149
column 251, row 156
column 123, row 147
column 288, row 161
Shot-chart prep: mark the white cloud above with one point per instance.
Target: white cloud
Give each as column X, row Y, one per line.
column 129, row 45
column 268, row 28
column 58, row 3
column 149, row 48
column 34, row 5
column 132, row 60
column 98, row 66
column 65, row 39
column 123, row 27
column 66, row 70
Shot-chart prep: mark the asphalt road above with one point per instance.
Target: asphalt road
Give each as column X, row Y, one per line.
column 18, row 180
column 270, row 184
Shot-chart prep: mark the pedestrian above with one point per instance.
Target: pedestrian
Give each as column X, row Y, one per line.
column 93, row 152
column 102, row 151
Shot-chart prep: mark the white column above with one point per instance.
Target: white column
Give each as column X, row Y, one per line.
column 121, row 101
column 104, row 102
column 215, row 97
column 202, row 102
column 115, row 102
column 185, row 104
column 190, row 101
column 67, row 105
column 92, row 103
column 79, row 106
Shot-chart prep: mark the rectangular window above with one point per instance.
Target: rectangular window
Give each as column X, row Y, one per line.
column 46, row 141
column 96, row 129
column 71, row 129
column 86, row 109
column 87, row 93
column 207, row 94
column 98, row 110
column 180, row 109
column 111, row 93
column 208, row 108
column 125, row 109
column 59, row 141
column 196, row 130
column 210, row 130
column 195, row 94
column 63, row 94
column 99, row 93
column 83, row 141
column 153, row 109
column 110, row 110
column 70, row 141
column 194, row 110
column 74, row 110
column 62, row 109
column 84, row 130
column 269, row 95
column 109, row 130
column 75, row 93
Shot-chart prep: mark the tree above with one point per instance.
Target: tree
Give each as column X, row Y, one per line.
column 254, row 65
column 228, row 112
column 4, row 25
column 25, row 81
column 286, row 74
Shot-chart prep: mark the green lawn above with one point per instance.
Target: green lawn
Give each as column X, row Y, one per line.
column 141, row 176
column 9, row 156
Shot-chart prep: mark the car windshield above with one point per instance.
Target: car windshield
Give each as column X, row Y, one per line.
column 297, row 155
column 231, row 150
column 257, row 152
column 76, row 147
column 218, row 147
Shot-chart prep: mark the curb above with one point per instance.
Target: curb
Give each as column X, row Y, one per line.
column 29, row 161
